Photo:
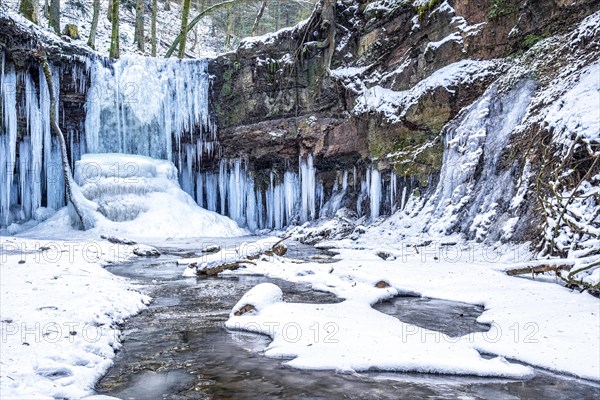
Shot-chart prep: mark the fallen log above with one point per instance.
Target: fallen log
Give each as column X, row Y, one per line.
column 216, row 263
column 538, row 269
column 213, row 271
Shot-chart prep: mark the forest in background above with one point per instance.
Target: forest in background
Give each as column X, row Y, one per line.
column 150, row 27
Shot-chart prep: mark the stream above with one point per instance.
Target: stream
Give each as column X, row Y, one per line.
column 179, row 348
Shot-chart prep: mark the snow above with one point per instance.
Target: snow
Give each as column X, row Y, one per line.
column 60, row 314
column 202, row 42
column 384, row 6
column 394, row 104
column 576, row 111
column 227, row 255
column 139, row 197
column 260, row 297
column 538, row 323
column 251, row 42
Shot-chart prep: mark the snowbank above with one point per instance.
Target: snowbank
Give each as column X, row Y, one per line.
column 535, row 322
column 60, row 311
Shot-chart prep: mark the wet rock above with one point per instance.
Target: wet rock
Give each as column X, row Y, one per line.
column 382, row 285
column 245, row 309
column 280, row 250
column 116, row 240
column 145, row 251
column 213, row 248
column 384, row 255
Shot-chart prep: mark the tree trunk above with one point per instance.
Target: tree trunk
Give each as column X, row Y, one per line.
column 228, row 28
column 86, row 221
column 94, row 28
column 114, row 40
column 154, row 12
column 109, row 13
column 185, row 13
column 263, row 6
column 328, row 16
column 167, row 5
column 54, row 20
column 139, row 25
column 197, row 18
column 29, row 9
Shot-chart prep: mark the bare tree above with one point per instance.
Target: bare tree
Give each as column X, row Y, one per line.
column 94, row 28
column 197, row 18
column 139, row 25
column 154, row 12
column 185, row 13
column 29, row 9
column 54, row 17
column 114, row 40
column 263, row 6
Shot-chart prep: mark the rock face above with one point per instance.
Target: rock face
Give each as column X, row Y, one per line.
column 386, row 88
column 391, row 86
column 275, row 99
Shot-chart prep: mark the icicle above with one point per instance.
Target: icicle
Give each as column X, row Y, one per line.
column 149, row 106
column 211, row 191
column 375, row 193
column 393, row 188
column 223, row 185
column 308, row 188
column 290, row 182
column 9, row 109
column 199, row 190
column 251, row 213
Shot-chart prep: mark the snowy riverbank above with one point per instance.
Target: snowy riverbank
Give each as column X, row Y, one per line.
column 60, row 315
column 532, row 321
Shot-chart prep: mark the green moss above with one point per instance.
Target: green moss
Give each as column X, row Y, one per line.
column 273, row 66
column 501, row 8
column 531, row 40
column 411, row 152
column 228, row 108
column 423, row 8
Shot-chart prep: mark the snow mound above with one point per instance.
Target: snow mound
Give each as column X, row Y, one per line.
column 139, row 196
column 260, row 297
column 355, row 337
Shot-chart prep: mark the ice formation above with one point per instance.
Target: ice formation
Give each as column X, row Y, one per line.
column 146, row 191
column 34, row 178
column 160, row 109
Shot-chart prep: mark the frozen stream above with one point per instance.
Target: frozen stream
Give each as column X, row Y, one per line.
column 179, row 348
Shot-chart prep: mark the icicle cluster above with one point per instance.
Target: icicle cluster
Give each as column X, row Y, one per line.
column 160, row 108
column 31, row 172
column 151, row 107
column 288, row 197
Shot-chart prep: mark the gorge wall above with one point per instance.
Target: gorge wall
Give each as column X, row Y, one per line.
column 438, row 109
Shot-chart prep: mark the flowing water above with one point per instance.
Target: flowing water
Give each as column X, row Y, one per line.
column 179, row 348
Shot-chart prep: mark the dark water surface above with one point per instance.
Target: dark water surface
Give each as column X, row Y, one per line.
column 179, row 348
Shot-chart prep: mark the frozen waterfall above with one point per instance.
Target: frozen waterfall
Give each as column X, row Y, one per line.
column 31, row 172
column 160, row 109
column 151, row 107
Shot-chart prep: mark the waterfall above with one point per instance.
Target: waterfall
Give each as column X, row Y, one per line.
column 38, row 168
column 160, row 109
column 152, row 107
